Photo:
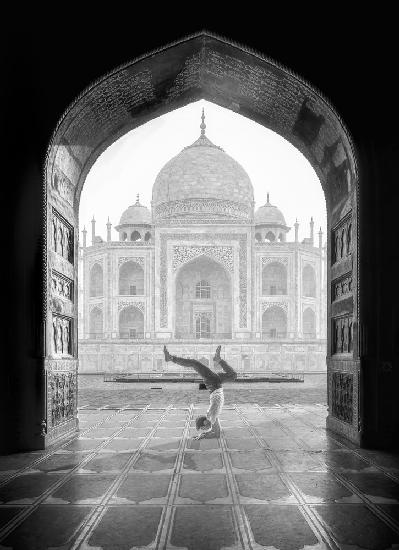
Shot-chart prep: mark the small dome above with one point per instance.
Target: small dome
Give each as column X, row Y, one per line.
column 200, row 181
column 269, row 215
column 136, row 214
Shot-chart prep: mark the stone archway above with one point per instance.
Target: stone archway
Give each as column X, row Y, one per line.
column 205, row 66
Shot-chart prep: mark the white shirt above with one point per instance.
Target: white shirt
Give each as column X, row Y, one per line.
column 216, row 400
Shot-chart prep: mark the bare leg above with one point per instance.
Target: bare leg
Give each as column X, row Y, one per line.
column 210, row 377
column 229, row 373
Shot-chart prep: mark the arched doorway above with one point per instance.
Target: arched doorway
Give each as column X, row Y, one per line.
column 274, row 279
column 131, row 279
column 131, row 323
column 203, row 307
column 274, row 323
column 209, row 67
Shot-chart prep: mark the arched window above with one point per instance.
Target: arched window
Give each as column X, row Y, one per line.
column 124, row 236
column 96, row 280
column 258, row 237
column 274, row 322
column 147, row 236
column 270, row 236
column 131, row 279
column 131, row 323
column 308, row 282
column 135, row 236
column 274, row 279
column 203, row 289
column 309, row 323
column 96, row 323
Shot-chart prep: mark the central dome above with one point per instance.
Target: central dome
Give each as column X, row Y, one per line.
column 203, row 181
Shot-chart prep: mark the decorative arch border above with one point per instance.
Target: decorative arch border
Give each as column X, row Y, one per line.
column 123, row 304
column 183, row 254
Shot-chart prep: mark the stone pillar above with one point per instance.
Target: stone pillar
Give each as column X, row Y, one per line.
column 84, row 237
column 320, row 239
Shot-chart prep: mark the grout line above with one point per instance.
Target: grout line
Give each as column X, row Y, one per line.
column 168, row 513
column 59, row 447
column 341, row 444
column 393, row 524
column 316, row 524
column 99, row 511
column 17, row 520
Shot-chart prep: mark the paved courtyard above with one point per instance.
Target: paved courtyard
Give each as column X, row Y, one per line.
column 134, row 478
column 93, row 391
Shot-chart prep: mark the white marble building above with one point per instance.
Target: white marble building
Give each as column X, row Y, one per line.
column 201, row 268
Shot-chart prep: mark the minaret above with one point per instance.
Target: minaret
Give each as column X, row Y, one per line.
column 84, row 237
column 312, row 231
column 109, row 225
column 320, row 239
column 296, row 224
column 93, row 231
column 203, row 125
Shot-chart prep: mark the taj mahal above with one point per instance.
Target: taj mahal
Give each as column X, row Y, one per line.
column 202, row 267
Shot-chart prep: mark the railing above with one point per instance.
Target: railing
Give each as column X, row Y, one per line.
column 192, row 376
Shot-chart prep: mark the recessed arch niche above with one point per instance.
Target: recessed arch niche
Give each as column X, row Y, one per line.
column 205, row 66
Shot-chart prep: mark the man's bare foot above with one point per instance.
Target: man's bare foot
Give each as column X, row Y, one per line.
column 217, row 357
column 168, row 356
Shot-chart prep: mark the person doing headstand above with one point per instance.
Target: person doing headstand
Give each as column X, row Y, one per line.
column 213, row 382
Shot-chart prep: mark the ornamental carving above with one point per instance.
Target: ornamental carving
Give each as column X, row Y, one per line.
column 271, row 259
column 62, row 185
column 62, row 285
column 342, row 242
column 342, row 287
column 342, row 396
column 94, row 261
column 222, row 254
column 242, row 260
column 203, row 315
column 267, row 305
column 62, row 396
column 342, row 334
column 62, row 335
column 99, row 305
column 205, row 207
column 62, row 236
column 126, row 303
column 136, row 259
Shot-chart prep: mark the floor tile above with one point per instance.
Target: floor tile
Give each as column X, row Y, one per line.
column 322, row 487
column 292, row 461
column 346, row 461
column 26, row 488
column 202, row 462
column 122, row 445
column 138, row 488
column 47, row 527
column 60, row 463
column 111, row 463
column 160, row 444
column 377, row 487
column 126, row 527
column 265, row 487
column 203, row 528
column 7, row 513
column 356, row 527
column 201, row 489
column 250, row 460
column 282, row 527
column 82, row 489
column 241, row 444
column 156, row 462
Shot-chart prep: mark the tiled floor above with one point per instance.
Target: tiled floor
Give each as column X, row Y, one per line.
column 135, row 478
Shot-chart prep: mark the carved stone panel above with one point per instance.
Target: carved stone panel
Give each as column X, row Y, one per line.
column 62, row 236
column 62, row 185
column 61, row 285
column 222, row 254
column 62, row 396
column 136, row 259
column 342, row 396
column 342, row 243
column 127, row 303
column 342, row 334
column 62, row 335
column 342, row 287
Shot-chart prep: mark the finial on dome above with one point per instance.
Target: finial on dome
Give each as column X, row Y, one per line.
column 137, row 199
column 268, row 198
column 203, row 125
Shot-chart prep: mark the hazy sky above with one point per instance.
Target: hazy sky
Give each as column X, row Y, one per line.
column 131, row 164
